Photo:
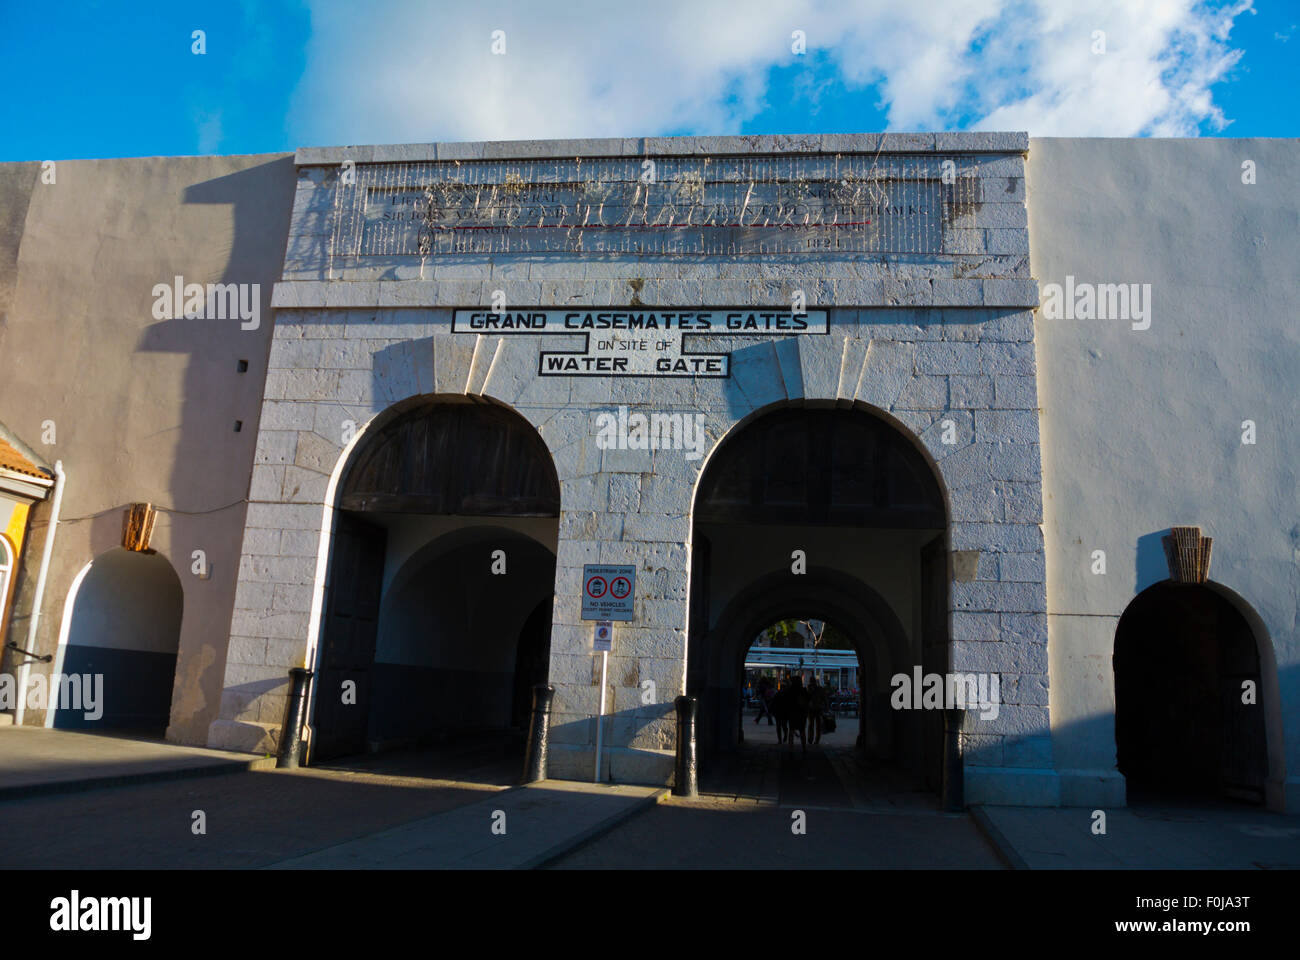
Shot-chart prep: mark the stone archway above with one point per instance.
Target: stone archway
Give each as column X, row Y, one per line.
column 878, row 638
column 836, row 512
column 446, row 519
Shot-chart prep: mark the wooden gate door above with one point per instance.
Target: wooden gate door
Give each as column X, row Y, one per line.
column 348, row 640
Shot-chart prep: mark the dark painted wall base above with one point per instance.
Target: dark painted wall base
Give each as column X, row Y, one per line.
column 136, row 689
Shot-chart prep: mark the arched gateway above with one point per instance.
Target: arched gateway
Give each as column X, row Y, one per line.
column 831, row 513
column 1191, row 699
column 441, row 577
column 882, row 418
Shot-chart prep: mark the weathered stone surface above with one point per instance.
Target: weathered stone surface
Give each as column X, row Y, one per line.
column 943, row 343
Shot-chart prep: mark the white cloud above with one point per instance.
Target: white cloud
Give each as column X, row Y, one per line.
column 412, row 71
column 1154, row 78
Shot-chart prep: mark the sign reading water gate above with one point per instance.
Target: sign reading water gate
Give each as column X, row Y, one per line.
column 639, row 343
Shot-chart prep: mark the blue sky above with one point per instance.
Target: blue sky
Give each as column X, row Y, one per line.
column 120, row 79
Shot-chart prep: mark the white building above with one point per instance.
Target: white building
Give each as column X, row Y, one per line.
column 948, row 392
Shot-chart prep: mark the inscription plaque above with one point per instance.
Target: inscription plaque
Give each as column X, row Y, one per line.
column 670, row 206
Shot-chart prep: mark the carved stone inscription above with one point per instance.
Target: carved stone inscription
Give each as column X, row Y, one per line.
column 727, row 206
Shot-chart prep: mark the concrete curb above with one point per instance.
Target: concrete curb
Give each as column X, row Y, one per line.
column 1001, row 846
column 595, row 832
column 215, row 769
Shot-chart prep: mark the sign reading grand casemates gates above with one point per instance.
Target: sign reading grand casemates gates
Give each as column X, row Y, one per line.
column 638, row 343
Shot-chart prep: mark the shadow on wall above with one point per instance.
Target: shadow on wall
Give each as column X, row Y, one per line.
column 1095, row 734
column 212, row 462
column 1152, row 563
column 1007, row 751
column 644, row 727
column 753, row 358
column 399, row 372
column 405, row 369
column 216, row 393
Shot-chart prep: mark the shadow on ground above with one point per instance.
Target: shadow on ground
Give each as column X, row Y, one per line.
column 720, row 834
column 255, row 818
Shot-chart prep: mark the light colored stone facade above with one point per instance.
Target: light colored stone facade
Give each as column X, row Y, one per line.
column 1141, row 429
column 924, row 340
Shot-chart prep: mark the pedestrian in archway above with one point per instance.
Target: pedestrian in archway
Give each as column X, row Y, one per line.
column 780, row 707
column 818, row 704
column 765, row 694
column 796, row 711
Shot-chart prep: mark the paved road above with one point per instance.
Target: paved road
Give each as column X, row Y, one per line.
column 830, row 773
column 253, row 818
column 857, row 814
column 519, row 828
column 735, row 834
column 1187, row 836
column 35, row 760
column 380, row 809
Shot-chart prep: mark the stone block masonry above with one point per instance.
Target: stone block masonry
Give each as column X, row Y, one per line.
column 941, row 344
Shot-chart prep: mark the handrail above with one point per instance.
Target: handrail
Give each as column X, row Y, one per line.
column 27, row 653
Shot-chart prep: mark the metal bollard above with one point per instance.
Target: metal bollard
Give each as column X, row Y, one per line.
column 954, row 791
column 686, row 781
column 538, row 729
column 295, row 713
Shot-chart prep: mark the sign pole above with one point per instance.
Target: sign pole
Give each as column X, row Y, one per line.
column 600, row 717
column 607, row 595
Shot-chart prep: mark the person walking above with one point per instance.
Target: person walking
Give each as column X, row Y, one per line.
column 818, row 704
column 794, row 711
column 765, row 694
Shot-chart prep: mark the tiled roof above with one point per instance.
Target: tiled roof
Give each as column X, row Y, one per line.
column 12, row 459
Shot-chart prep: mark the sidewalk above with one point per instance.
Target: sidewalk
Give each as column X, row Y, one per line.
column 35, row 761
column 1143, row 837
column 542, row 821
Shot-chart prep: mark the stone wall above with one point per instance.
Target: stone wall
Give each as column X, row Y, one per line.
column 1143, row 427
column 138, row 408
column 923, row 339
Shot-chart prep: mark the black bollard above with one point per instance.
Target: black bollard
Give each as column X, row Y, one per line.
column 538, row 728
column 686, row 781
column 954, row 791
column 295, row 712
